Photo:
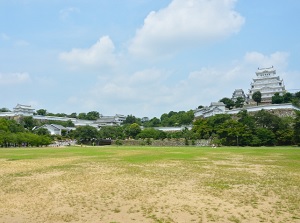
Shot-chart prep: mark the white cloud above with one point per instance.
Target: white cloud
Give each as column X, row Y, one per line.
column 21, row 43
column 148, row 76
column 4, row 36
column 210, row 84
column 65, row 13
column 277, row 59
column 184, row 23
column 152, row 92
column 99, row 54
column 14, row 78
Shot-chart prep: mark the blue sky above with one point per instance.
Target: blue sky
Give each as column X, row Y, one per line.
column 141, row 57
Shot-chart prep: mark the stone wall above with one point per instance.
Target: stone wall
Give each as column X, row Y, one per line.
column 283, row 112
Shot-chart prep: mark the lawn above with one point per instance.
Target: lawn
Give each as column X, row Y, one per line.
column 150, row 184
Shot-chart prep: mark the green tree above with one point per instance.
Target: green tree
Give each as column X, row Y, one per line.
column 42, row 131
column 232, row 133
column 287, row 97
column 228, row 102
column 133, row 130
column 85, row 134
column 151, row 133
column 239, row 102
column 285, row 136
column 277, row 98
column 28, row 122
column 130, row 119
column 61, row 115
column 4, row 110
column 112, row 132
column 257, row 97
column 42, row 112
column 4, row 126
column 73, row 115
column 82, row 115
column 247, row 120
column 266, row 137
column 202, row 129
column 267, row 120
column 154, row 122
column 217, row 120
column 297, row 129
column 92, row 115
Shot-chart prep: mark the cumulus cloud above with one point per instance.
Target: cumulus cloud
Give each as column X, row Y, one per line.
column 184, row 23
column 99, row 54
column 152, row 92
column 280, row 62
column 14, row 78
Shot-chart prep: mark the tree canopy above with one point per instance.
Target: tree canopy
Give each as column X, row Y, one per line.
column 228, row 102
column 14, row 134
column 257, row 97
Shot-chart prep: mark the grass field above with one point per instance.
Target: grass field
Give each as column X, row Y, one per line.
column 150, row 184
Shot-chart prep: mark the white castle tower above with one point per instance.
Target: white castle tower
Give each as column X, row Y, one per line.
column 268, row 83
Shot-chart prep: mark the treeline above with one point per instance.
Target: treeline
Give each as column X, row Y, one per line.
column 14, row 134
column 90, row 135
column 260, row 129
column 287, row 98
column 92, row 115
column 171, row 119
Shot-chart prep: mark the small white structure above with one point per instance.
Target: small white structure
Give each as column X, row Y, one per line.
column 238, row 93
column 263, row 107
column 120, row 118
column 25, row 110
column 173, row 129
column 107, row 121
column 268, row 83
column 213, row 109
column 54, row 129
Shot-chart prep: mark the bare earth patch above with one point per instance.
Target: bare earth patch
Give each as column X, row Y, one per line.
column 74, row 190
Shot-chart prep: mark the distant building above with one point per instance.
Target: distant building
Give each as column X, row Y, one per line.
column 54, row 129
column 213, row 109
column 268, row 83
column 25, row 110
column 238, row 93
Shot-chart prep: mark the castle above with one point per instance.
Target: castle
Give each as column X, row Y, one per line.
column 266, row 81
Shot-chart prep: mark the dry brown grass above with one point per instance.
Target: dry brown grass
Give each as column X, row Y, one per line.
column 208, row 186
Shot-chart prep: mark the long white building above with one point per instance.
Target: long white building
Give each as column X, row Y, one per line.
column 27, row 110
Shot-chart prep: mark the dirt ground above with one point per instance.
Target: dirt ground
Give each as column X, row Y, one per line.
column 73, row 190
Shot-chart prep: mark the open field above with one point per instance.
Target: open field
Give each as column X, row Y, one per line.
column 148, row 184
